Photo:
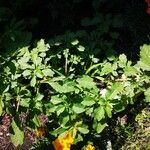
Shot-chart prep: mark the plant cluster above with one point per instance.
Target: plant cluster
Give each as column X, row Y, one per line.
column 74, row 89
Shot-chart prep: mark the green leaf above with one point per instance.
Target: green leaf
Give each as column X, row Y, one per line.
column 23, row 60
column 130, row 70
column 60, row 78
column 78, row 138
column 57, row 43
column 108, row 110
column 43, row 54
column 144, row 62
column 122, row 60
column 26, row 73
column 42, row 47
column 86, row 82
column 17, row 137
column 25, row 102
column 60, row 109
column 89, row 111
column 58, row 131
column 56, row 100
column 39, row 97
column 95, row 66
column 78, row 108
column 33, row 81
column 34, row 55
column 114, row 90
column 38, row 73
column 100, row 127
column 83, row 129
column 99, row 113
column 68, row 87
column 75, row 42
column 52, row 109
column 81, row 48
column 38, row 61
column 38, row 105
column 66, row 52
column 23, row 63
column 48, row 72
column 56, row 86
column 88, row 101
column 147, row 95
column 107, row 69
column 63, row 120
column 1, row 105
column 65, row 88
column 36, row 121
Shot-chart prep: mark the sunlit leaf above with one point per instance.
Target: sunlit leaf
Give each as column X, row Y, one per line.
column 77, row 108
column 147, row 95
column 75, row 42
column 144, row 62
column 81, row 48
column 17, row 137
column 86, row 82
column 1, row 105
column 99, row 113
column 83, row 129
column 33, row 81
column 88, row 101
column 48, row 72
column 100, row 127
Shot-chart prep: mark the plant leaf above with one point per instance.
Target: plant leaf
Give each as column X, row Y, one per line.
column 60, row 109
column 1, row 105
column 56, row 100
column 75, row 42
column 78, row 108
column 83, row 129
column 33, row 81
column 48, row 72
column 144, row 62
column 113, row 92
column 147, row 95
column 108, row 110
column 81, row 48
column 100, row 127
column 86, row 82
column 17, row 137
column 88, row 101
column 99, row 113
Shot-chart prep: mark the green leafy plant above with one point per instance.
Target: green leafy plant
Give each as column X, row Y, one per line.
column 73, row 88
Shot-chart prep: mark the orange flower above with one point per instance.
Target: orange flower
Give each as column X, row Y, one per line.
column 148, row 2
column 63, row 143
column 59, row 144
column 41, row 131
column 90, row 147
column 148, row 9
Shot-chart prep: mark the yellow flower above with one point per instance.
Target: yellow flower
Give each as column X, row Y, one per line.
column 58, row 144
column 63, row 143
column 68, row 138
column 90, row 147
